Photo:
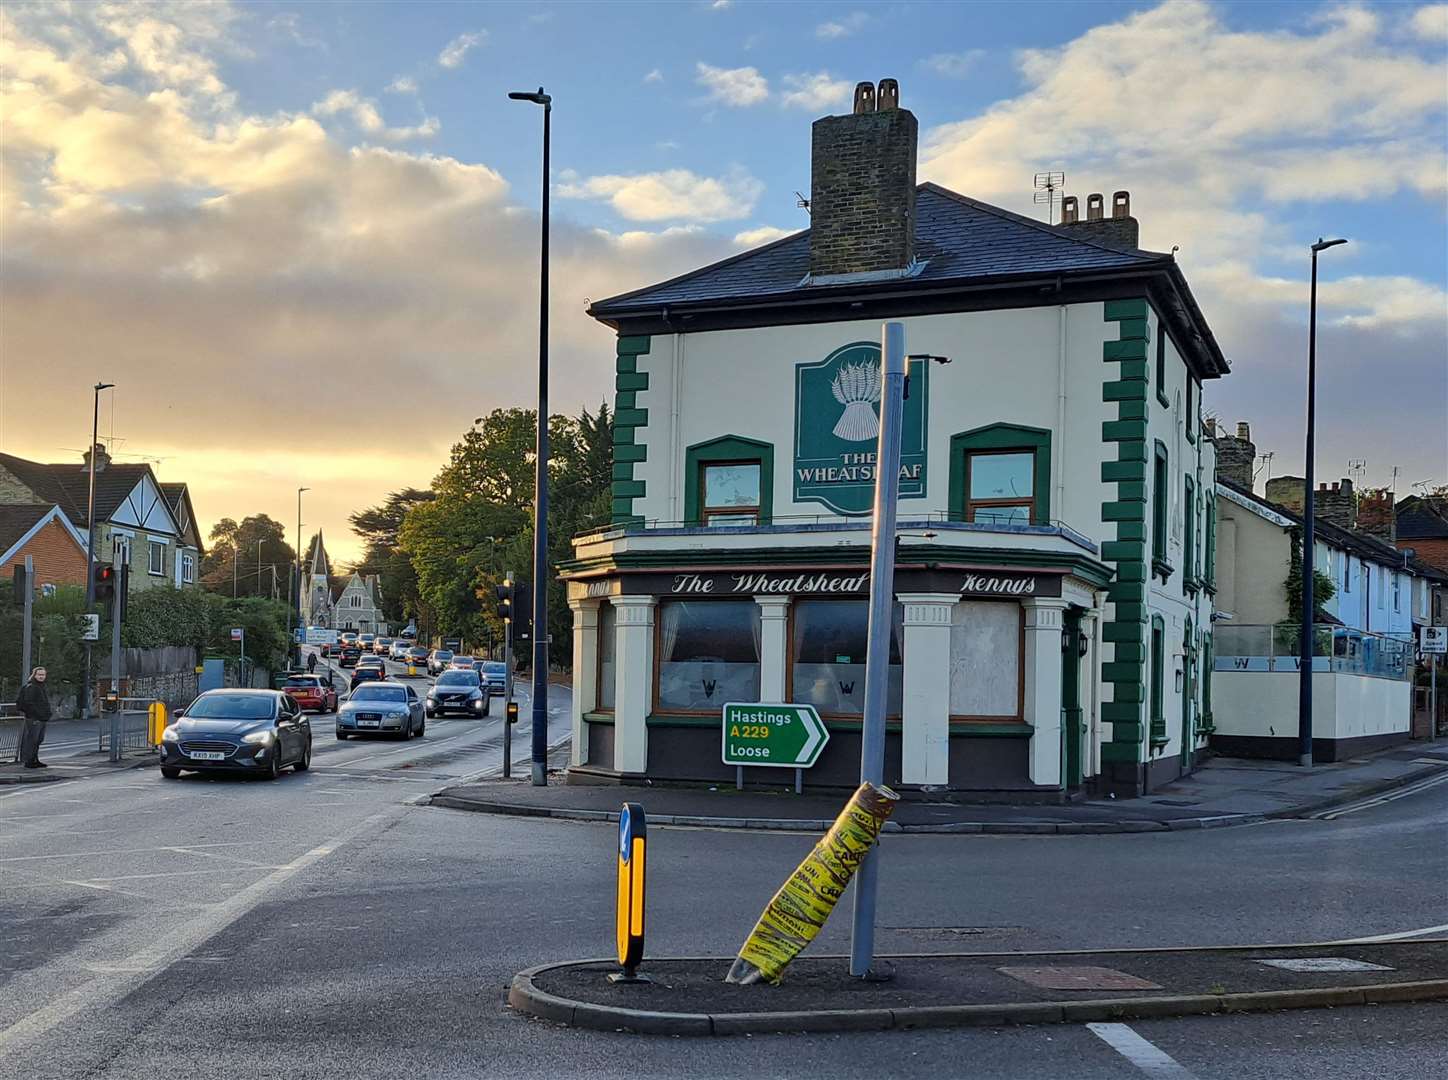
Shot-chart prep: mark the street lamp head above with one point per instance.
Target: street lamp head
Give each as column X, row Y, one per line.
column 540, row 98
column 104, row 386
column 1322, row 244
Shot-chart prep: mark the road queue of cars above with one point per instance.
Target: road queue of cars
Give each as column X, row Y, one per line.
column 382, row 707
column 459, row 692
column 494, row 675
column 256, row 731
column 438, row 661
column 311, row 692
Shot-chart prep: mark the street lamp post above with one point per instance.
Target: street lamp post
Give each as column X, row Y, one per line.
column 90, row 543
column 297, row 573
column 540, row 493
column 1309, row 539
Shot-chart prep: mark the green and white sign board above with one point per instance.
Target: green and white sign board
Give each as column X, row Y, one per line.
column 837, row 429
column 787, row 736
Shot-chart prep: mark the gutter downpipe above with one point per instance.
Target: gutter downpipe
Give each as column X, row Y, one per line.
column 1058, row 461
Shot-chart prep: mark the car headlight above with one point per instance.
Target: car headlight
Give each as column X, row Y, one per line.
column 431, row 694
column 398, row 714
column 263, row 737
column 171, row 734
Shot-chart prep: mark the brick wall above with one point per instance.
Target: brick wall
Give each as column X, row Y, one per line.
column 13, row 491
column 862, row 192
column 1433, row 551
column 57, row 559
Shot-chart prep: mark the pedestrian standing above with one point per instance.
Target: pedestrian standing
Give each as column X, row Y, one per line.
column 311, row 663
column 34, row 704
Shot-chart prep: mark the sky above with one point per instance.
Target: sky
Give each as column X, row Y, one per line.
column 302, row 238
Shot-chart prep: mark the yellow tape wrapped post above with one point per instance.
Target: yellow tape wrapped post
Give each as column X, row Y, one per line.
column 798, row 911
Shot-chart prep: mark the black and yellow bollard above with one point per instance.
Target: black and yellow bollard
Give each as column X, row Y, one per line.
column 629, row 916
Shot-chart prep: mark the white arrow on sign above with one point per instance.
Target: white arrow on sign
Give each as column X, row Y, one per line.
column 816, row 729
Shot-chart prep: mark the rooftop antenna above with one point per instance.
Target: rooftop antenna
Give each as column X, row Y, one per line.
column 1266, row 459
column 1048, row 187
column 1357, row 468
column 801, row 202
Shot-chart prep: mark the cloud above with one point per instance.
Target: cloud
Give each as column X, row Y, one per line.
column 1430, row 22
column 763, row 234
column 734, row 87
column 720, row 5
column 403, row 84
column 456, row 50
column 954, row 65
column 817, row 91
column 364, row 114
column 215, row 264
column 654, row 76
column 842, row 27
column 671, row 195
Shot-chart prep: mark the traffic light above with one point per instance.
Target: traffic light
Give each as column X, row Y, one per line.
column 105, row 579
column 505, row 600
column 523, row 614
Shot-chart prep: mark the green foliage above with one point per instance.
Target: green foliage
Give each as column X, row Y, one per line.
column 378, row 527
column 165, row 615
column 235, row 551
column 264, row 621
column 54, row 640
column 1323, row 588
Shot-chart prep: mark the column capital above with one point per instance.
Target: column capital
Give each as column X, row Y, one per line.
column 773, row 606
column 584, row 603
column 1044, row 613
column 634, row 610
column 927, row 609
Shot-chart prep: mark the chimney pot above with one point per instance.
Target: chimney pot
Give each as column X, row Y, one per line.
column 865, row 98
column 1069, row 210
column 1094, row 205
column 1121, row 204
column 888, row 95
column 1244, row 429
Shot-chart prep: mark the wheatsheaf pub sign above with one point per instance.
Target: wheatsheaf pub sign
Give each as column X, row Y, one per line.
column 837, row 427
column 844, row 583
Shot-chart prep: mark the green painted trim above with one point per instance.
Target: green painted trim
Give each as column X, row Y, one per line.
column 1131, row 349
column 1002, row 437
column 1123, row 470
column 1127, row 650
column 1122, row 511
column 1131, row 530
column 1131, row 410
column 1123, row 551
column 633, row 345
column 1133, row 571
column 622, row 508
column 1117, row 310
column 631, row 380
column 1131, row 451
column 1130, row 613
column 625, row 399
column 626, row 365
column 628, row 417
column 1124, row 631
column 1127, row 732
column 630, row 452
column 1127, row 693
column 1126, row 592
column 973, row 729
column 1133, row 371
column 1120, row 390
column 631, row 417
column 628, row 489
column 1120, row 671
column 1158, row 679
column 623, row 470
column 623, row 436
column 1123, row 430
column 1134, row 330
column 728, row 448
column 1128, row 753
column 1131, row 491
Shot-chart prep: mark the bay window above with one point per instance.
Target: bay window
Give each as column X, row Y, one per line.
column 708, row 654
column 828, row 657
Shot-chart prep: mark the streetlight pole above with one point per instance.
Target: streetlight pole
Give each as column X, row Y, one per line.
column 1309, row 537
column 540, row 491
column 90, row 543
column 297, row 574
column 258, row 566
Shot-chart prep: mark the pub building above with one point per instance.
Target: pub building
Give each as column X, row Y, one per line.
column 1054, row 573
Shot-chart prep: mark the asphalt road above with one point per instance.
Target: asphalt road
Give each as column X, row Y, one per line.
column 326, row 925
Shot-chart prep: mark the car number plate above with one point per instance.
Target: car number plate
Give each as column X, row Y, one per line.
column 369, row 723
column 207, row 755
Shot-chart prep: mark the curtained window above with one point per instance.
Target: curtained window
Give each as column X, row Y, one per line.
column 985, row 660
column 829, row 657
column 607, row 643
column 708, row 654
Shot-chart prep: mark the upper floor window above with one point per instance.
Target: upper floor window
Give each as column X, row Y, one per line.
column 1160, row 499
column 1000, row 487
column 155, row 557
column 188, row 568
column 1397, row 592
column 356, row 599
column 1189, row 548
column 120, row 549
column 1161, row 365
column 731, row 492
column 1191, row 409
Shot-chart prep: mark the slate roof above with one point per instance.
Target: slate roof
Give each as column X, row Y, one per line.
column 69, row 485
column 1418, row 519
column 1362, row 544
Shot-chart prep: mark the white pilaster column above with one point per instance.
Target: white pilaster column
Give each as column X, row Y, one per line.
column 1044, row 620
column 773, row 646
column 634, row 690
column 585, row 672
column 925, row 720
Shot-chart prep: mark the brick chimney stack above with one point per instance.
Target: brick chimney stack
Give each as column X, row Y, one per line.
column 862, row 187
column 1375, row 514
column 102, row 458
column 1335, row 503
column 1119, row 230
column 1236, row 455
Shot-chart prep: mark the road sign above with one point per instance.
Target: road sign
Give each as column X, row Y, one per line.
column 1434, row 639
column 90, row 628
column 237, row 633
column 320, row 635
column 629, row 913
column 784, row 736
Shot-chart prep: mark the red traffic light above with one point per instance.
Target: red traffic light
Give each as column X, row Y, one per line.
column 105, row 579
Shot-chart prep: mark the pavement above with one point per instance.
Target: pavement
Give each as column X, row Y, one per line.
column 690, row 996
column 1223, row 791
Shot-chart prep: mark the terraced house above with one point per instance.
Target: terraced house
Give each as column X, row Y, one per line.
column 1054, row 561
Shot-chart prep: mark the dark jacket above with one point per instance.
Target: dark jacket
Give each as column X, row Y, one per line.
column 34, row 702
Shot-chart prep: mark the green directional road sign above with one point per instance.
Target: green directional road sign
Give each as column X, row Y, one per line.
column 787, row 736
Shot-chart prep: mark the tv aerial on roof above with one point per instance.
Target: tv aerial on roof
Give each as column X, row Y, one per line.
column 1048, row 191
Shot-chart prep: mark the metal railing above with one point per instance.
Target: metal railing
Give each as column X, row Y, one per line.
column 1341, row 649
column 135, row 725
column 10, row 724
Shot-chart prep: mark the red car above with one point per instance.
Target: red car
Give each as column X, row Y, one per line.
column 311, row 693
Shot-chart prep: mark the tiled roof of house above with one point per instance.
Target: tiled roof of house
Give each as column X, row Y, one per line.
column 1361, row 544
column 17, row 519
column 1418, row 519
column 69, row 485
column 173, row 494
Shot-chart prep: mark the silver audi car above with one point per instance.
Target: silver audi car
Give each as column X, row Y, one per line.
column 382, row 708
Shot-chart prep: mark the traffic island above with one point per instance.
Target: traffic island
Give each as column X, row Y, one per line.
column 688, row 996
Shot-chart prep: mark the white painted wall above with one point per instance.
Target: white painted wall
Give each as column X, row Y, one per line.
column 1263, row 703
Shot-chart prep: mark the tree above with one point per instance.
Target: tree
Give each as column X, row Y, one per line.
column 379, row 528
column 1323, row 588
column 237, row 549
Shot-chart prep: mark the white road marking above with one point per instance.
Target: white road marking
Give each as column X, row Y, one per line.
column 1147, row 1057
column 1379, row 800
column 193, row 849
column 1401, row 936
column 40, row 789
column 182, row 938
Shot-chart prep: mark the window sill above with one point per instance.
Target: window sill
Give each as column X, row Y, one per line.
column 1162, row 569
column 1162, row 398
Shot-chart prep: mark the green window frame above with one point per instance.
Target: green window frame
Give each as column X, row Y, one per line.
column 1189, row 539
column 1001, row 438
column 1207, row 666
column 1193, row 397
column 1161, row 337
column 1160, row 502
column 727, row 450
column 1158, row 681
column 1210, row 529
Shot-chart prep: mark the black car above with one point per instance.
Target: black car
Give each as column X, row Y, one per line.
column 366, row 673
column 255, row 731
column 348, row 655
column 457, row 692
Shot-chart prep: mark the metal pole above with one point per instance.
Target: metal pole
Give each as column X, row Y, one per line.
column 241, row 663
column 26, row 619
column 258, row 566
column 877, row 650
column 123, row 583
column 1309, row 540
column 507, row 690
column 1433, row 698
column 90, row 544
column 540, row 500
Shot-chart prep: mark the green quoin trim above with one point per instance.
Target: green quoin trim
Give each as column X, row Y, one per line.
column 1117, row 310
column 728, row 448
column 1135, row 450
column 632, row 380
column 628, row 381
column 1128, row 651
column 1131, row 530
column 1123, row 551
column 1122, row 752
column 1127, row 592
column 1123, row 391
column 632, row 417
column 627, row 365
column 622, row 436
column 1123, row 470
column 1133, row 371
column 1133, row 632
column 1134, row 330
column 628, row 489
column 629, row 452
column 622, row 470
column 633, row 345
column 1124, row 350
column 1125, row 731
column 1131, row 410
column 1130, row 613
column 1123, row 511
column 1127, row 693
column 1131, row 491
column 1131, row 571
column 1123, row 430
column 1122, row 671
column 625, row 399
column 1003, row 437
column 622, row 509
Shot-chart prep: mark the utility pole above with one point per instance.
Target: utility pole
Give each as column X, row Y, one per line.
column 29, row 602
column 118, row 606
column 90, row 543
column 877, row 649
column 507, row 686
